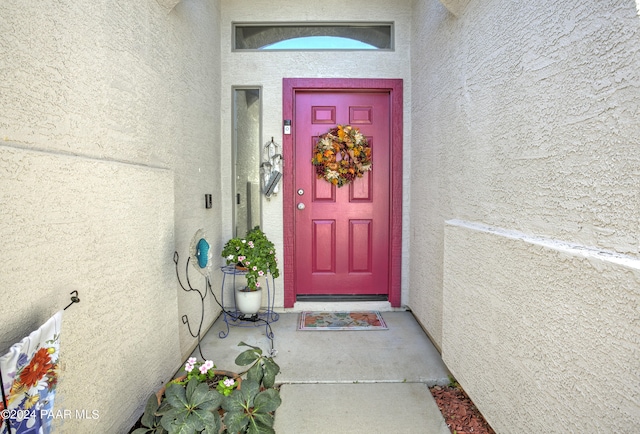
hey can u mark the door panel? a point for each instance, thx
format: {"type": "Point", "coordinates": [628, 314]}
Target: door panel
{"type": "Point", "coordinates": [342, 234]}
{"type": "Point", "coordinates": [324, 246]}
{"type": "Point", "coordinates": [361, 246]}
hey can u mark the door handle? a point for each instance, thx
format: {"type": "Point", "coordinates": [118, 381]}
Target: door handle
{"type": "Point", "coordinates": [301, 205]}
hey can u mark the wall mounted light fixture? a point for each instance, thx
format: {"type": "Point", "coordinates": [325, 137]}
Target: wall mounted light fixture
{"type": "Point", "coordinates": [271, 168]}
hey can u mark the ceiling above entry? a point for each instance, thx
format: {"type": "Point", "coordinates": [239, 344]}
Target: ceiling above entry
{"type": "Point", "coordinates": [168, 4]}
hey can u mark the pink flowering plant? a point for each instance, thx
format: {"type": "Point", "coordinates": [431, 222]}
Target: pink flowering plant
{"type": "Point", "coordinates": [226, 386]}
{"type": "Point", "coordinates": [256, 253]}
{"type": "Point", "coordinates": [205, 371]}
{"type": "Point", "coordinates": [197, 405]}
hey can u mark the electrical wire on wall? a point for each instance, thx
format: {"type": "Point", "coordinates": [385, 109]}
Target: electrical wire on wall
{"type": "Point", "coordinates": [200, 257]}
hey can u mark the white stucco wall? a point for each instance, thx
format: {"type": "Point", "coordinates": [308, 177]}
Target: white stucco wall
{"type": "Point", "coordinates": [267, 69]}
{"type": "Point", "coordinates": [540, 332]}
{"type": "Point", "coordinates": [528, 112]}
{"type": "Point", "coordinates": [109, 139]}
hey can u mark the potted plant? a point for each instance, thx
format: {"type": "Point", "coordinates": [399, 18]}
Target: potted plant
{"type": "Point", "coordinates": [257, 255]}
{"type": "Point", "coordinates": [193, 403]}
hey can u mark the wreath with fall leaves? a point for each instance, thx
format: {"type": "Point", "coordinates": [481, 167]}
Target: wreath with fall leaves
{"type": "Point", "coordinates": [342, 155]}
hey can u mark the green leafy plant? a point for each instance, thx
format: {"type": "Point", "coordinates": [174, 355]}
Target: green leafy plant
{"type": "Point", "coordinates": [256, 253]}
{"type": "Point", "coordinates": [263, 369]}
{"type": "Point", "coordinates": [251, 408]}
{"type": "Point", "coordinates": [196, 404]}
{"type": "Point", "coordinates": [150, 420]}
{"type": "Point", "coordinates": [453, 382]}
{"type": "Point", "coordinates": [190, 409]}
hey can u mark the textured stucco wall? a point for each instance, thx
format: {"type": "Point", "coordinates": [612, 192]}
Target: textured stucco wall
{"type": "Point", "coordinates": [543, 335]}
{"type": "Point", "coordinates": [267, 69]}
{"type": "Point", "coordinates": [72, 223]}
{"type": "Point", "coordinates": [527, 112]}
{"type": "Point", "coordinates": [109, 138]}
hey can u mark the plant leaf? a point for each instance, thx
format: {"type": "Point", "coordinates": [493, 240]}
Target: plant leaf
{"type": "Point", "coordinates": [173, 419]}
{"type": "Point", "coordinates": [164, 407]}
{"type": "Point", "coordinates": [233, 402]}
{"type": "Point", "coordinates": [250, 389]}
{"type": "Point", "coordinates": [247, 357]}
{"type": "Point", "coordinates": [236, 421]}
{"type": "Point", "coordinates": [176, 395]}
{"type": "Point", "coordinates": [267, 400]}
{"type": "Point", "coordinates": [141, 431]}
{"type": "Point", "coordinates": [185, 426]}
{"type": "Point", "coordinates": [255, 373]}
{"type": "Point", "coordinates": [202, 419]}
{"type": "Point", "coordinates": [271, 369]}
{"type": "Point", "coordinates": [191, 387]}
{"type": "Point", "coordinates": [241, 399]}
{"type": "Point", "coordinates": [262, 423]}
{"type": "Point", "coordinates": [214, 426]}
{"type": "Point", "coordinates": [244, 344]}
{"type": "Point", "coordinates": [149, 419]}
{"type": "Point", "coordinates": [204, 398]}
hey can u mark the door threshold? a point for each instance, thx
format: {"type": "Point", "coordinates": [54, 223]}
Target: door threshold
{"type": "Point", "coordinates": [341, 297]}
{"type": "Point", "coordinates": [342, 306]}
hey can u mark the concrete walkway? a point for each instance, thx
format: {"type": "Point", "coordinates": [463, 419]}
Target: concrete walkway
{"type": "Point", "coordinates": [345, 381]}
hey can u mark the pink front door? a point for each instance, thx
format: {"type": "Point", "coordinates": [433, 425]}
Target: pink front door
{"type": "Point", "coordinates": [342, 234]}
{"type": "Point", "coordinates": [343, 237]}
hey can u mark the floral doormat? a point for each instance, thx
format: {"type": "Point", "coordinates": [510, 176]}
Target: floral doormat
{"type": "Point", "coordinates": [369, 320]}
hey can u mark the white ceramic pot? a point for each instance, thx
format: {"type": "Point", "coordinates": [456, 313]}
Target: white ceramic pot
{"type": "Point", "coordinates": [248, 302]}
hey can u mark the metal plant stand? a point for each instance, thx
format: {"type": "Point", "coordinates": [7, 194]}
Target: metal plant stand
{"type": "Point", "coordinates": [233, 317]}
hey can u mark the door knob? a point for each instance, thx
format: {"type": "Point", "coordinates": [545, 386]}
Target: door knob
{"type": "Point", "coordinates": [301, 205]}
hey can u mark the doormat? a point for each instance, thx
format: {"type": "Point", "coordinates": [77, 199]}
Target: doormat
{"type": "Point", "coordinates": [368, 320]}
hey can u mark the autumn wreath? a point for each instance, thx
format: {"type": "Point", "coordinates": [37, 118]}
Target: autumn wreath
{"type": "Point", "coordinates": [342, 155]}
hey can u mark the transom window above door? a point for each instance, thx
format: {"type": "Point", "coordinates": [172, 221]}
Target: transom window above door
{"type": "Point", "coordinates": [312, 36]}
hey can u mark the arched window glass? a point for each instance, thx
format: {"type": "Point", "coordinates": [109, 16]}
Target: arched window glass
{"type": "Point", "coordinates": [320, 43]}
{"type": "Point", "coordinates": [315, 36]}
